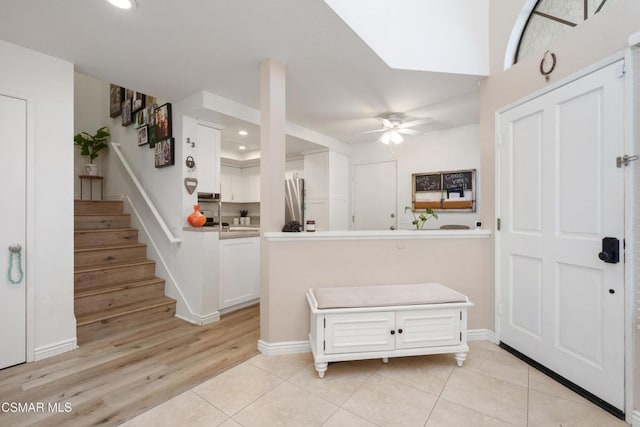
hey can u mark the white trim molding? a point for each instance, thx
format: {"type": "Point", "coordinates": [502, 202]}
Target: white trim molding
{"type": "Point", "coordinates": [481, 335]}
{"type": "Point", "coordinates": [286, 347]}
{"type": "Point", "coordinates": [55, 349]}
{"type": "Point", "coordinates": [295, 347]}
{"type": "Point", "coordinates": [200, 320]}
{"type": "Point", "coordinates": [378, 235]}
{"type": "Point", "coordinates": [635, 419]}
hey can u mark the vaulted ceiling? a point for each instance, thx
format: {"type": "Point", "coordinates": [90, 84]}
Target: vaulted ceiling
{"type": "Point", "coordinates": [336, 84]}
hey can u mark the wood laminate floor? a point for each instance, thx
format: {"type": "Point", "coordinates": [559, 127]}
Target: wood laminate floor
{"type": "Point", "coordinates": [112, 380]}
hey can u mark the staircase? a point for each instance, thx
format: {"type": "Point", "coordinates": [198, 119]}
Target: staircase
{"type": "Point", "coordinates": [115, 284]}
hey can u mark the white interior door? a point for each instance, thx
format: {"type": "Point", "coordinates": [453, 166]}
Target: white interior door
{"type": "Point", "coordinates": [13, 337]}
{"type": "Point", "coordinates": [374, 196]}
{"type": "Point", "coordinates": [561, 193]}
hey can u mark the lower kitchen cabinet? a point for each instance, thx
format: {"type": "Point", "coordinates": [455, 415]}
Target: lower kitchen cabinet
{"type": "Point", "coordinates": [239, 271]}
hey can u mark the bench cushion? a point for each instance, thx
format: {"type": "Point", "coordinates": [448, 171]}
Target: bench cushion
{"type": "Point", "coordinates": [386, 295]}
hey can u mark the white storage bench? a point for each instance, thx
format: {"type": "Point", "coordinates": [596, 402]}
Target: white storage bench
{"type": "Point", "coordinates": [369, 322]}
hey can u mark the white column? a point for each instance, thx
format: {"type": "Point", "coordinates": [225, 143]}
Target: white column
{"type": "Point", "coordinates": [272, 145]}
{"type": "Point", "coordinates": [272, 164]}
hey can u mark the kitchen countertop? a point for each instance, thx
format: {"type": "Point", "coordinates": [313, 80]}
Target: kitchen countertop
{"type": "Point", "coordinates": [225, 234]}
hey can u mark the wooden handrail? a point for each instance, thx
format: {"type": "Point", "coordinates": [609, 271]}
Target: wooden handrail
{"type": "Point", "coordinates": [145, 196]}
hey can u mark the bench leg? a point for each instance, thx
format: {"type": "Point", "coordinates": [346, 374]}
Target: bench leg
{"type": "Point", "coordinates": [385, 360]}
{"type": "Point", "coordinates": [321, 368]}
{"type": "Point", "coordinates": [460, 358]}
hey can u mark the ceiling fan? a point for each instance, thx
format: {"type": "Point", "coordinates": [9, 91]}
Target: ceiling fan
{"type": "Point", "coordinates": [394, 124]}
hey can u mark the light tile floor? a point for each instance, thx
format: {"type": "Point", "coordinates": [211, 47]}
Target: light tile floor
{"type": "Point", "coordinates": [493, 388]}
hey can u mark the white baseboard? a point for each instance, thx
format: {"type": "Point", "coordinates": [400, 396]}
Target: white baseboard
{"type": "Point", "coordinates": [481, 335]}
{"type": "Point", "coordinates": [287, 347]}
{"type": "Point", "coordinates": [55, 349]}
{"type": "Point", "coordinates": [239, 306]}
{"type": "Point", "coordinates": [292, 347]}
{"type": "Point", "coordinates": [200, 320]}
{"type": "Point", "coordinates": [635, 419]}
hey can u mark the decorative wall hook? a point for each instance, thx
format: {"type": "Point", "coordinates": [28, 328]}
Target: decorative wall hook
{"type": "Point", "coordinates": [545, 69]}
{"type": "Point", "coordinates": [189, 141]}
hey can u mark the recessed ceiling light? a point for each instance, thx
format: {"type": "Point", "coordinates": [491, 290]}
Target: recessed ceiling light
{"type": "Point", "coordinates": [243, 133]}
{"type": "Point", "coordinates": [123, 4]}
{"type": "Point", "coordinates": [241, 147]}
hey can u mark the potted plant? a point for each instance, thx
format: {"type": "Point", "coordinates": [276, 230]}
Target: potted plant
{"type": "Point", "coordinates": [91, 145]}
{"type": "Point", "coordinates": [420, 220]}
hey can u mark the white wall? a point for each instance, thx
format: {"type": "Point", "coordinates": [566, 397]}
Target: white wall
{"type": "Point", "coordinates": [450, 149]}
{"type": "Point", "coordinates": [47, 84]}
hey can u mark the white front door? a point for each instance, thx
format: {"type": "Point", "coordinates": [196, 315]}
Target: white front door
{"type": "Point", "coordinates": [560, 195]}
{"type": "Point", "coordinates": [13, 349]}
{"type": "Point", "coordinates": [374, 196]}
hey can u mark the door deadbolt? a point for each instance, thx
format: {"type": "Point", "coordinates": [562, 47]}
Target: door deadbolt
{"type": "Point", "coordinates": [610, 250]}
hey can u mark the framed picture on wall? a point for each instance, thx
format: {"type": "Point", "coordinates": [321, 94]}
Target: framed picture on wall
{"type": "Point", "coordinates": [116, 96]}
{"type": "Point", "coordinates": [163, 122]}
{"type": "Point", "coordinates": [164, 153]}
{"type": "Point", "coordinates": [143, 135]}
{"type": "Point", "coordinates": [138, 101]}
{"type": "Point", "coordinates": [126, 112]}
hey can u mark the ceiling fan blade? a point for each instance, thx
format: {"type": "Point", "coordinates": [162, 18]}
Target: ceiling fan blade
{"type": "Point", "coordinates": [386, 123]}
{"type": "Point", "coordinates": [416, 122]}
{"type": "Point", "coordinates": [371, 131]}
{"type": "Point", "coordinates": [409, 131]}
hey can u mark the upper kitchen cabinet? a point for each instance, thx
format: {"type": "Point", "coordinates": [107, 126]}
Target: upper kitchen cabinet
{"type": "Point", "coordinates": [251, 184]}
{"type": "Point", "coordinates": [231, 184]}
{"type": "Point", "coordinates": [208, 159]}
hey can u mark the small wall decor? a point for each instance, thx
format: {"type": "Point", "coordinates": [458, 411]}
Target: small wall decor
{"type": "Point", "coordinates": [547, 64]}
{"type": "Point", "coordinates": [444, 190]}
{"type": "Point", "coordinates": [143, 135]}
{"type": "Point", "coordinates": [190, 184]}
{"type": "Point", "coordinates": [138, 101]}
{"type": "Point", "coordinates": [126, 112]}
{"type": "Point", "coordinates": [116, 96]}
{"type": "Point", "coordinates": [163, 121]}
{"type": "Point", "coordinates": [164, 153]}
{"type": "Point", "coordinates": [190, 162]}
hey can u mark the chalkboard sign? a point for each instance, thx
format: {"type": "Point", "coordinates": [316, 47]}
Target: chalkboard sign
{"type": "Point", "coordinates": [457, 180]}
{"type": "Point", "coordinates": [427, 182]}
{"type": "Point", "coordinates": [436, 190]}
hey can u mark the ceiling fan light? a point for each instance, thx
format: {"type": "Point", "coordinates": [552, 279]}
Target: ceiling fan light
{"type": "Point", "coordinates": [386, 138]}
{"type": "Point", "coordinates": [395, 136]}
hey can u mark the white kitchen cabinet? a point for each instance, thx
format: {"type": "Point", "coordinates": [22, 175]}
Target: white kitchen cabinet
{"type": "Point", "coordinates": [239, 271]}
{"type": "Point", "coordinates": [251, 184]}
{"type": "Point", "coordinates": [392, 328]}
{"type": "Point", "coordinates": [230, 184]}
{"type": "Point", "coordinates": [316, 173]}
{"type": "Point", "coordinates": [208, 159]}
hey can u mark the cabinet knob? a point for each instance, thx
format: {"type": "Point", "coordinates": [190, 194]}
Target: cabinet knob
{"type": "Point", "coordinates": [399, 331]}
{"type": "Point", "coordinates": [392, 332]}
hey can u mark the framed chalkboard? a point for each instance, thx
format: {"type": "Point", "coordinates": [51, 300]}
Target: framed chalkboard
{"type": "Point", "coordinates": [428, 182]}
{"type": "Point", "coordinates": [445, 190]}
{"type": "Point", "coordinates": [458, 180]}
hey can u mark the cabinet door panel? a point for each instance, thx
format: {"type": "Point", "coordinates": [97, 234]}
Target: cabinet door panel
{"type": "Point", "coordinates": [358, 332]}
{"type": "Point", "coordinates": [239, 271]}
{"type": "Point", "coordinates": [428, 328]}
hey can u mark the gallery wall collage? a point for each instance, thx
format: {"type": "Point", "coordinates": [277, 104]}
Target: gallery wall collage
{"type": "Point", "coordinates": [152, 121]}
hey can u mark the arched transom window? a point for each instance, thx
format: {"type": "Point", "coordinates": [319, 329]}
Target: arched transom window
{"type": "Point", "coordinates": [549, 19]}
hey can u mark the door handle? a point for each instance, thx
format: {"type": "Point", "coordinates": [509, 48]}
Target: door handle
{"type": "Point", "coordinates": [15, 257]}
{"type": "Point", "coordinates": [610, 250]}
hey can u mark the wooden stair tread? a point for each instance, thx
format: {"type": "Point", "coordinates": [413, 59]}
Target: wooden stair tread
{"type": "Point", "coordinates": [125, 245]}
{"type": "Point", "coordinates": [104, 230]}
{"type": "Point", "coordinates": [113, 265]}
{"type": "Point", "coordinates": [100, 316]}
{"type": "Point", "coordinates": [116, 287]}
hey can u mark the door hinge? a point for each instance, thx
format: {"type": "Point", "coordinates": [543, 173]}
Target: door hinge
{"type": "Point", "coordinates": [460, 336]}
{"type": "Point", "coordinates": [325, 322]}
{"type": "Point", "coordinates": [324, 345]}
{"type": "Point", "coordinates": [498, 224]}
{"type": "Point", "coordinates": [622, 69]}
{"type": "Point", "coordinates": [460, 315]}
{"type": "Point", "coordinates": [353, 218]}
{"type": "Point", "coordinates": [625, 160]}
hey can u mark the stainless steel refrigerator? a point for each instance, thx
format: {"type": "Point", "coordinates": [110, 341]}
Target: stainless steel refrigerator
{"type": "Point", "coordinates": [294, 200]}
